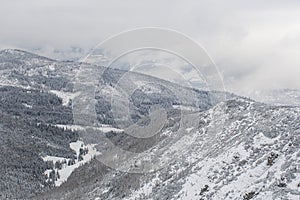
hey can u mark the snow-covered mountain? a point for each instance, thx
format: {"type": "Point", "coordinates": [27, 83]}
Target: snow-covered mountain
{"type": "Point", "coordinates": [38, 92]}
{"type": "Point", "coordinates": [239, 149]}
{"type": "Point", "coordinates": [215, 148]}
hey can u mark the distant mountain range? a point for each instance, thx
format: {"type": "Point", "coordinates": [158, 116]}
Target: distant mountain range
{"type": "Point", "coordinates": [277, 97]}
{"type": "Point", "coordinates": [214, 147]}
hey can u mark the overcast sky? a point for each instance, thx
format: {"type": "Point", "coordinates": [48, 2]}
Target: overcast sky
{"type": "Point", "coordinates": [256, 44]}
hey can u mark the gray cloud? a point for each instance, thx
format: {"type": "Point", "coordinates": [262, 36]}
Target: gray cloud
{"type": "Point", "coordinates": [254, 43]}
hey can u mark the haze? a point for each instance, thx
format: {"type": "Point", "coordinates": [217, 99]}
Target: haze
{"type": "Point", "coordinates": [255, 44]}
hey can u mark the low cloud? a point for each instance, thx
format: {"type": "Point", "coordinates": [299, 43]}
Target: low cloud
{"type": "Point", "coordinates": [254, 43]}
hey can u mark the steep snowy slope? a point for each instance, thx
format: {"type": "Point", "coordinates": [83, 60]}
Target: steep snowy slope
{"type": "Point", "coordinates": [26, 136]}
{"type": "Point", "coordinates": [239, 149]}
{"type": "Point", "coordinates": [209, 147]}
{"type": "Point", "coordinates": [40, 92]}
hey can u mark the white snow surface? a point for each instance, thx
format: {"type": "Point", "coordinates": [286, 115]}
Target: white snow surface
{"type": "Point", "coordinates": [103, 128]}
{"type": "Point", "coordinates": [65, 96]}
{"type": "Point", "coordinates": [66, 170]}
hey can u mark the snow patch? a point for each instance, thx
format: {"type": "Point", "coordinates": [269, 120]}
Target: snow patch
{"type": "Point", "coordinates": [185, 108]}
{"type": "Point", "coordinates": [27, 105]}
{"type": "Point", "coordinates": [65, 96]}
{"type": "Point", "coordinates": [66, 170]}
{"type": "Point", "coordinates": [103, 128]}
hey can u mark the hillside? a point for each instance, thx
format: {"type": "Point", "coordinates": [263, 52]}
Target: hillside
{"type": "Point", "coordinates": [211, 144]}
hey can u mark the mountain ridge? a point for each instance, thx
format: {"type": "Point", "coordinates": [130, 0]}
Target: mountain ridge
{"type": "Point", "coordinates": [215, 149]}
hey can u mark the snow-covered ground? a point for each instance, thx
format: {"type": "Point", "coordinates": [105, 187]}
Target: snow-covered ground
{"type": "Point", "coordinates": [103, 128]}
{"type": "Point", "coordinates": [65, 96]}
{"type": "Point", "coordinates": [227, 165]}
{"type": "Point", "coordinates": [147, 87]}
{"type": "Point", "coordinates": [27, 105]}
{"type": "Point", "coordinates": [66, 170]}
{"type": "Point", "coordinates": [185, 108]}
